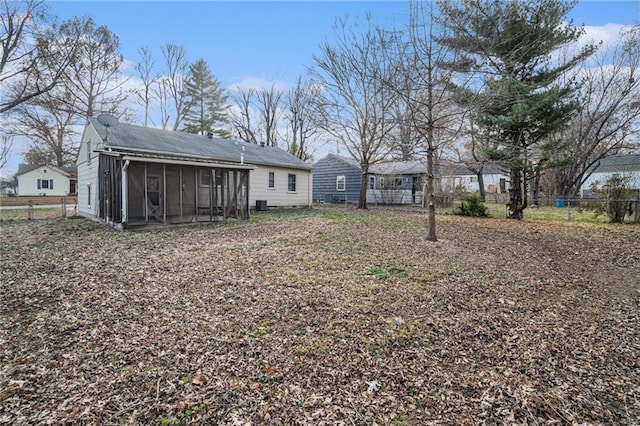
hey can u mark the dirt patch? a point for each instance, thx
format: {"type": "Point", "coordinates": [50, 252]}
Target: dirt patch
{"type": "Point", "coordinates": [325, 316]}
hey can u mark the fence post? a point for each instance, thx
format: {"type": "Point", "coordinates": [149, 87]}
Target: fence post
{"type": "Point", "coordinates": [30, 210]}
{"type": "Point", "coordinates": [64, 207]}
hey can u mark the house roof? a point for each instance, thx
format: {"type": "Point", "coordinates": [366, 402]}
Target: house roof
{"type": "Point", "coordinates": [129, 137]}
{"type": "Point", "coordinates": [389, 167]}
{"type": "Point", "coordinates": [70, 171]}
{"type": "Point", "coordinates": [467, 169]}
{"type": "Point", "coordinates": [618, 163]}
{"type": "Point", "coordinates": [416, 167]}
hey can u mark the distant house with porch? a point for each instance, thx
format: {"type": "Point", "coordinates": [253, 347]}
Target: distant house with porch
{"type": "Point", "coordinates": [607, 167]}
{"type": "Point", "coordinates": [133, 175]}
{"type": "Point", "coordinates": [35, 180]}
{"type": "Point", "coordinates": [338, 179]}
{"type": "Point", "coordinates": [458, 177]}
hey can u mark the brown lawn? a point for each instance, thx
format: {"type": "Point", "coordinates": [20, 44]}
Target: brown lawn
{"type": "Point", "coordinates": [328, 316]}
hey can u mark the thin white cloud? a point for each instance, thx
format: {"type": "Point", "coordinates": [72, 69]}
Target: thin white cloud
{"type": "Point", "coordinates": [258, 83]}
{"type": "Point", "coordinates": [608, 34]}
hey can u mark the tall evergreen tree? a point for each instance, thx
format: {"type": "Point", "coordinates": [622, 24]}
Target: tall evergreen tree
{"type": "Point", "coordinates": [206, 102]}
{"type": "Point", "coordinates": [519, 99]}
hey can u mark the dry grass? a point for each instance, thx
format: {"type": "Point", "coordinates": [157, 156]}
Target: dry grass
{"type": "Point", "coordinates": [329, 316]}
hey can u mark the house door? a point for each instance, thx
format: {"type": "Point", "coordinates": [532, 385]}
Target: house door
{"type": "Point", "coordinates": [154, 205]}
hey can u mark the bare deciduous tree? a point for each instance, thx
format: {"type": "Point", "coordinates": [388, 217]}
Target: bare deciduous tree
{"type": "Point", "coordinates": [356, 104]}
{"type": "Point", "coordinates": [6, 143]}
{"type": "Point", "coordinates": [429, 110]}
{"type": "Point", "coordinates": [33, 58]}
{"type": "Point", "coordinates": [144, 69]}
{"type": "Point", "coordinates": [170, 88]}
{"type": "Point", "coordinates": [94, 82]}
{"type": "Point", "coordinates": [242, 120]}
{"type": "Point", "coordinates": [90, 85]}
{"type": "Point", "coordinates": [300, 114]}
{"type": "Point", "coordinates": [268, 103]}
{"type": "Point", "coordinates": [47, 124]}
{"type": "Point", "coordinates": [258, 114]}
{"type": "Point", "coordinates": [609, 120]}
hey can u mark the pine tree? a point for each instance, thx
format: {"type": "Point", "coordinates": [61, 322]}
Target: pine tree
{"type": "Point", "coordinates": [206, 102]}
{"type": "Point", "coordinates": [520, 100]}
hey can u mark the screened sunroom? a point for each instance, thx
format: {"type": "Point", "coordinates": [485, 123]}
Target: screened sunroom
{"type": "Point", "coordinates": [138, 191]}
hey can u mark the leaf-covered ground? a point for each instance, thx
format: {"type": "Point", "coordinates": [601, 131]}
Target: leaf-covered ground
{"type": "Point", "coordinates": [328, 316]}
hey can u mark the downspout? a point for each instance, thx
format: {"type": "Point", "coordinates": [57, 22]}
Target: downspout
{"type": "Point", "coordinates": [124, 191]}
{"type": "Point", "coordinates": [310, 190]}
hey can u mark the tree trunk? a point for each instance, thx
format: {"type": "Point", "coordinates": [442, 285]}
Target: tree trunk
{"type": "Point", "coordinates": [535, 187]}
{"type": "Point", "coordinates": [517, 201]}
{"type": "Point", "coordinates": [431, 205]}
{"type": "Point", "coordinates": [362, 202]}
{"type": "Point", "coordinates": [483, 194]}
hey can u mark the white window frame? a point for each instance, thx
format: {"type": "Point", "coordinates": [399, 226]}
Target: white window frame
{"type": "Point", "coordinates": [89, 151]}
{"type": "Point", "coordinates": [89, 195]}
{"type": "Point", "coordinates": [372, 182]}
{"type": "Point", "coordinates": [271, 180]}
{"type": "Point", "coordinates": [289, 181]}
{"type": "Point", "coordinates": [341, 179]}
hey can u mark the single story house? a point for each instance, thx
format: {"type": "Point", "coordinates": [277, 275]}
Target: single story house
{"type": "Point", "coordinates": [607, 167]}
{"type": "Point", "coordinates": [461, 177]}
{"type": "Point", "coordinates": [133, 175]}
{"type": "Point", "coordinates": [337, 179]}
{"type": "Point", "coordinates": [46, 180]}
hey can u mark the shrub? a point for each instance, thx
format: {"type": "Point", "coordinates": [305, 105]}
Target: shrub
{"type": "Point", "coordinates": [615, 194]}
{"type": "Point", "coordinates": [473, 206]}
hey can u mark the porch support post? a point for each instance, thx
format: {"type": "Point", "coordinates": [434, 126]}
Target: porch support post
{"type": "Point", "coordinates": [195, 171]}
{"type": "Point", "coordinates": [211, 172]}
{"type": "Point", "coordinates": [146, 198]}
{"type": "Point", "coordinates": [164, 193]}
{"type": "Point", "coordinates": [222, 194]}
{"type": "Point", "coordinates": [181, 193]}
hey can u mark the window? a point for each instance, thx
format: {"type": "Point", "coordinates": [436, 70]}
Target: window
{"type": "Point", "coordinates": [89, 152]}
{"type": "Point", "coordinates": [390, 182]}
{"type": "Point", "coordinates": [205, 177]}
{"type": "Point", "coordinates": [272, 180]}
{"type": "Point", "coordinates": [340, 183]}
{"type": "Point", "coordinates": [372, 182]}
{"type": "Point", "coordinates": [45, 183]}
{"type": "Point", "coordinates": [292, 182]}
{"type": "Point", "coordinates": [89, 195]}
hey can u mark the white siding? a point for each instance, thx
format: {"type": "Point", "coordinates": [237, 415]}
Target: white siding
{"type": "Point", "coordinates": [280, 196]}
{"type": "Point", "coordinates": [602, 177]}
{"type": "Point", "coordinates": [470, 182]}
{"type": "Point", "coordinates": [28, 182]}
{"type": "Point", "coordinates": [88, 173]}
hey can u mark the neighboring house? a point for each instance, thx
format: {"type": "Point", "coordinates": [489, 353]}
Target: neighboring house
{"type": "Point", "coordinates": [607, 167]}
{"type": "Point", "coordinates": [337, 179]}
{"type": "Point", "coordinates": [398, 182]}
{"type": "Point", "coordinates": [134, 175]}
{"type": "Point", "coordinates": [46, 180]}
{"type": "Point", "coordinates": [460, 177]}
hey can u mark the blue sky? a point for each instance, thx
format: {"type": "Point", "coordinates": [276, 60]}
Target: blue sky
{"type": "Point", "coordinates": [252, 43]}
{"type": "Point", "coordinates": [265, 39]}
